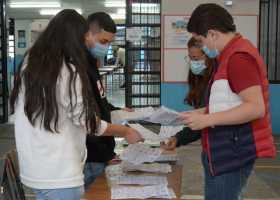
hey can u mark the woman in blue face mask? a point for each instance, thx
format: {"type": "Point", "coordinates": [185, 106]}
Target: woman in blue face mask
{"type": "Point", "coordinates": [201, 68]}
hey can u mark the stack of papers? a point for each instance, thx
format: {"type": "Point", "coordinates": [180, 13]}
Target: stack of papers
{"type": "Point", "coordinates": [167, 158]}
{"type": "Point", "coordinates": [114, 171]}
{"type": "Point", "coordinates": [140, 153]}
{"type": "Point", "coordinates": [139, 180]}
{"type": "Point", "coordinates": [144, 192]}
{"type": "Point", "coordinates": [147, 167]}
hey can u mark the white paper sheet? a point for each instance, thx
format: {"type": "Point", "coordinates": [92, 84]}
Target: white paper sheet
{"type": "Point", "coordinates": [144, 192]}
{"type": "Point", "coordinates": [147, 167]}
{"type": "Point", "coordinates": [140, 153]}
{"type": "Point", "coordinates": [140, 180]}
{"type": "Point", "coordinates": [162, 115]}
{"type": "Point", "coordinates": [169, 131]}
{"type": "Point", "coordinates": [145, 133]}
{"type": "Point", "coordinates": [165, 132]}
{"type": "Point", "coordinates": [114, 171]}
{"type": "Point", "coordinates": [121, 116]}
{"type": "Point", "coordinates": [165, 116]}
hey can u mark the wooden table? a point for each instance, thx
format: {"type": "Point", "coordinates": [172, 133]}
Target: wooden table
{"type": "Point", "coordinates": [100, 190]}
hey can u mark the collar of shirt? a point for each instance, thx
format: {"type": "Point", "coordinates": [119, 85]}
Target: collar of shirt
{"type": "Point", "coordinates": [228, 46]}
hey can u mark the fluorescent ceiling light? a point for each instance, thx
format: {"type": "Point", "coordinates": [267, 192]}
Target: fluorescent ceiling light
{"type": "Point", "coordinates": [145, 5]}
{"type": "Point", "coordinates": [55, 11]}
{"type": "Point", "coordinates": [228, 2]}
{"type": "Point", "coordinates": [35, 4]}
{"type": "Point", "coordinates": [117, 16]}
{"type": "Point", "coordinates": [115, 4]}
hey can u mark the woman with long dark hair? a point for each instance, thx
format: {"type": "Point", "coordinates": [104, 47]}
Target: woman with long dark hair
{"type": "Point", "coordinates": [55, 108]}
{"type": "Point", "coordinates": [201, 69]}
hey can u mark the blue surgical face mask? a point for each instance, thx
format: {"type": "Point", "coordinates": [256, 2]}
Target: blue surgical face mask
{"type": "Point", "coordinates": [197, 67]}
{"type": "Point", "coordinates": [99, 50]}
{"type": "Point", "coordinates": [211, 53]}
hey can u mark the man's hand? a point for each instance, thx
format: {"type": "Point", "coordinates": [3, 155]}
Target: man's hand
{"type": "Point", "coordinates": [195, 120]}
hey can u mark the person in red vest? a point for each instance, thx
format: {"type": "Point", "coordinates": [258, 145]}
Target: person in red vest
{"type": "Point", "coordinates": [236, 122]}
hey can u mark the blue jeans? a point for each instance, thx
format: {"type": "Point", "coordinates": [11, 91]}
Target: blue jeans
{"type": "Point", "coordinates": [59, 194]}
{"type": "Point", "coordinates": [91, 171]}
{"type": "Point", "coordinates": [228, 186]}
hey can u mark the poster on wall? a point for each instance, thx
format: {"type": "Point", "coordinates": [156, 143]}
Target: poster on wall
{"type": "Point", "coordinates": [176, 35]}
{"type": "Point", "coordinates": [21, 39]}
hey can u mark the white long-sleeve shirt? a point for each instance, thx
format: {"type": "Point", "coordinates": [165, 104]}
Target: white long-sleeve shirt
{"type": "Point", "coordinates": [53, 160]}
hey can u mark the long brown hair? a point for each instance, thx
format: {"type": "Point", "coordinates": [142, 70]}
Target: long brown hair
{"type": "Point", "coordinates": [62, 41]}
{"type": "Point", "coordinates": [198, 83]}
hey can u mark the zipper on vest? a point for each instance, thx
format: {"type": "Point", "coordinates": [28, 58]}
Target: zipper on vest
{"type": "Point", "coordinates": [209, 156]}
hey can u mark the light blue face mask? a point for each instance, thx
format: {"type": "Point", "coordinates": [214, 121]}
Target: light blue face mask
{"type": "Point", "coordinates": [197, 67]}
{"type": "Point", "coordinates": [211, 53]}
{"type": "Point", "coordinates": [99, 50]}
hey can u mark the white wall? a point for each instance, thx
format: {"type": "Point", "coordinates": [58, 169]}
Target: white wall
{"type": "Point", "coordinates": [174, 69]}
{"type": "Point", "coordinates": [187, 6]}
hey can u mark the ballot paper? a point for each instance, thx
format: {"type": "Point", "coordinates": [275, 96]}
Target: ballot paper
{"type": "Point", "coordinates": [147, 167]}
{"type": "Point", "coordinates": [121, 116]}
{"type": "Point", "coordinates": [146, 133]}
{"type": "Point", "coordinates": [161, 115]}
{"type": "Point", "coordinates": [165, 132]}
{"type": "Point", "coordinates": [143, 192]}
{"type": "Point", "coordinates": [114, 171]}
{"type": "Point", "coordinates": [167, 158]}
{"type": "Point", "coordinates": [169, 131]}
{"type": "Point", "coordinates": [139, 180]}
{"type": "Point", "coordinates": [140, 153]}
{"type": "Point", "coordinates": [165, 116]}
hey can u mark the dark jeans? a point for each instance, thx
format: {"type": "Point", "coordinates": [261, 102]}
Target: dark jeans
{"type": "Point", "coordinates": [228, 186]}
{"type": "Point", "coordinates": [91, 171]}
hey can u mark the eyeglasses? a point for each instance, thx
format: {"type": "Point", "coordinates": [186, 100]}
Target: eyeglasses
{"type": "Point", "coordinates": [186, 58]}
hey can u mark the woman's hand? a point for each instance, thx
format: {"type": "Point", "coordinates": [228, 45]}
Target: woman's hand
{"type": "Point", "coordinates": [170, 144]}
{"type": "Point", "coordinates": [115, 160]}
